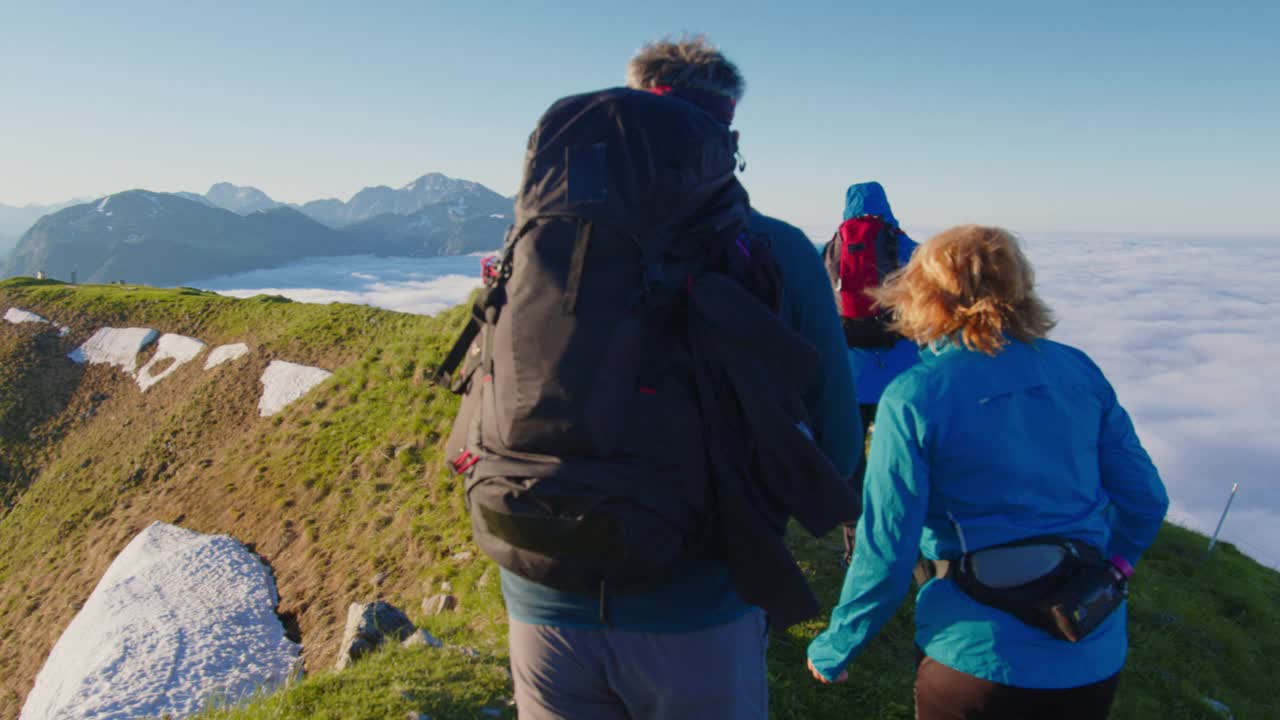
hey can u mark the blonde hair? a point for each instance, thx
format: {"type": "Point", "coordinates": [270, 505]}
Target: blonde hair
{"type": "Point", "coordinates": [690, 61]}
{"type": "Point", "coordinates": [970, 284]}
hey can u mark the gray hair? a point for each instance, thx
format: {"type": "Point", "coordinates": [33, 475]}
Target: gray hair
{"type": "Point", "coordinates": [689, 62]}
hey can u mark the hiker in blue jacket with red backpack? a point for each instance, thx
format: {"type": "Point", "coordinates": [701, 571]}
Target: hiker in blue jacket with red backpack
{"type": "Point", "coordinates": [874, 367]}
{"type": "Point", "coordinates": [868, 246]}
{"type": "Point", "coordinates": [1005, 460]}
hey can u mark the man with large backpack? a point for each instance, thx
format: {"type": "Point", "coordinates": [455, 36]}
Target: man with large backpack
{"type": "Point", "coordinates": [655, 382]}
{"type": "Point", "coordinates": [868, 246]}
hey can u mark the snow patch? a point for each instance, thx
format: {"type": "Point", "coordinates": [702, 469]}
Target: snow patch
{"type": "Point", "coordinates": [115, 346]}
{"type": "Point", "coordinates": [179, 619]}
{"type": "Point", "coordinates": [225, 353]}
{"type": "Point", "coordinates": [178, 348]}
{"type": "Point", "coordinates": [283, 382]}
{"type": "Point", "coordinates": [102, 204]}
{"type": "Point", "coordinates": [16, 316]}
{"type": "Point", "coordinates": [156, 207]}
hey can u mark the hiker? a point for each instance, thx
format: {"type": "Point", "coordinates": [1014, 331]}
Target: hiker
{"type": "Point", "coordinates": [727, 394]}
{"type": "Point", "coordinates": [1005, 460]}
{"type": "Point", "coordinates": [867, 247]}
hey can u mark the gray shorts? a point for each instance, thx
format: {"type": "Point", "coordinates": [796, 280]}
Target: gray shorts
{"type": "Point", "coordinates": [597, 673]}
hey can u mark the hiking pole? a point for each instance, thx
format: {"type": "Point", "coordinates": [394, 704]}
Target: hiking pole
{"type": "Point", "coordinates": [1214, 540]}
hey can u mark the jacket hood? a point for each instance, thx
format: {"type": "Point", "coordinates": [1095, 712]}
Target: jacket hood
{"type": "Point", "coordinates": [868, 198]}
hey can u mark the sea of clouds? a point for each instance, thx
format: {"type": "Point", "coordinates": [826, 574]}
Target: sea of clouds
{"type": "Point", "coordinates": [1187, 331]}
{"type": "Point", "coordinates": [416, 285]}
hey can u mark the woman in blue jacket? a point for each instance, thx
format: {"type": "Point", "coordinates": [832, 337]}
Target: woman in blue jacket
{"type": "Point", "coordinates": [998, 435]}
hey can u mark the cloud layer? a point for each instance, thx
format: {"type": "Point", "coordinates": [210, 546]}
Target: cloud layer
{"type": "Point", "coordinates": [1187, 331]}
{"type": "Point", "coordinates": [1189, 335]}
{"type": "Point", "coordinates": [416, 285]}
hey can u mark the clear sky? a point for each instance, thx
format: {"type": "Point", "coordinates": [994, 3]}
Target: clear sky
{"type": "Point", "coordinates": [1100, 116]}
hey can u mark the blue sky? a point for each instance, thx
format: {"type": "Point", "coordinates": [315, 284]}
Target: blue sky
{"type": "Point", "coordinates": [1128, 117]}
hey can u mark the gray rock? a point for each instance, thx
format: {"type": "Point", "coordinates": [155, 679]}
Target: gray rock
{"type": "Point", "coordinates": [421, 638]}
{"type": "Point", "coordinates": [378, 579]}
{"type": "Point", "coordinates": [368, 626]}
{"type": "Point", "coordinates": [1220, 708]}
{"type": "Point", "coordinates": [437, 604]}
{"type": "Point", "coordinates": [463, 556]}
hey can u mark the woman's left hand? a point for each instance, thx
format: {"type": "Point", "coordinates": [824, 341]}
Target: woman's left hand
{"type": "Point", "coordinates": [844, 675]}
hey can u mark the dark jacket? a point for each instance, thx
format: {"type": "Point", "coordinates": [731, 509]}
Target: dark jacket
{"type": "Point", "coordinates": [752, 369]}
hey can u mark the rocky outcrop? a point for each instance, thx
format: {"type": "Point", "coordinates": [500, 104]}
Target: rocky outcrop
{"type": "Point", "coordinates": [368, 626]}
{"type": "Point", "coordinates": [437, 604]}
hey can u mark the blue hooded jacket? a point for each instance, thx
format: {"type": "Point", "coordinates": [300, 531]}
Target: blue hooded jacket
{"type": "Point", "coordinates": [972, 451]}
{"type": "Point", "coordinates": [874, 369]}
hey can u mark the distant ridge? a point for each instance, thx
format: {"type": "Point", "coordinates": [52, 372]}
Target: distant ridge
{"type": "Point", "coordinates": [156, 238]}
{"type": "Point", "coordinates": [425, 191]}
{"type": "Point", "coordinates": [239, 200]}
{"type": "Point", "coordinates": [14, 221]}
{"type": "Point", "coordinates": [430, 189]}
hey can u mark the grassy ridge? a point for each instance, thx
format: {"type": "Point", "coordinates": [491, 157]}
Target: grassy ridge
{"type": "Point", "coordinates": [346, 484]}
{"type": "Point", "coordinates": [332, 491]}
{"type": "Point", "coordinates": [1200, 628]}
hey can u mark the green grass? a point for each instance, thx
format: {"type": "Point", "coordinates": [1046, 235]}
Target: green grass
{"type": "Point", "coordinates": [444, 684]}
{"type": "Point", "coordinates": [1200, 627]}
{"type": "Point", "coordinates": [348, 482]}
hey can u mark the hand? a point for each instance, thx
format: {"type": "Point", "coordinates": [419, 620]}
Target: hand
{"type": "Point", "coordinates": [850, 539]}
{"type": "Point", "coordinates": [844, 675]}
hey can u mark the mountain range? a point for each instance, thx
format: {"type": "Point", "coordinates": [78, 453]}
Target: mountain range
{"type": "Point", "coordinates": [156, 238]}
{"type": "Point", "coordinates": [14, 221]}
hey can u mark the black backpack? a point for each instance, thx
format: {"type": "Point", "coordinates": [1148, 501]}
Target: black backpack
{"type": "Point", "coordinates": [586, 428]}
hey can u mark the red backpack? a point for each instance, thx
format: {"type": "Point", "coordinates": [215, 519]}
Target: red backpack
{"type": "Point", "coordinates": [859, 257]}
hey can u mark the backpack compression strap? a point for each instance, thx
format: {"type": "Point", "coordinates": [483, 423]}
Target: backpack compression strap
{"type": "Point", "coordinates": [463, 344]}
{"type": "Point", "coordinates": [488, 300]}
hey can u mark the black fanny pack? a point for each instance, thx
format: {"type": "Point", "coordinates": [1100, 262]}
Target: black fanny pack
{"type": "Point", "coordinates": [1069, 601]}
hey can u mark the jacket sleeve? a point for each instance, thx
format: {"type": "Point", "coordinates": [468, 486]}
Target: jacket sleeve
{"type": "Point", "coordinates": [1131, 480]}
{"type": "Point", "coordinates": [895, 501]}
{"type": "Point", "coordinates": [832, 401]}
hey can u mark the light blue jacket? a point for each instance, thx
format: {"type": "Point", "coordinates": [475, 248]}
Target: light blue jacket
{"type": "Point", "coordinates": [1028, 442]}
{"type": "Point", "coordinates": [704, 596]}
{"type": "Point", "coordinates": [874, 369]}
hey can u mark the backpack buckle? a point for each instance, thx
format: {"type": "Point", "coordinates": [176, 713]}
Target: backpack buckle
{"type": "Point", "coordinates": [490, 269]}
{"type": "Point", "coordinates": [465, 462]}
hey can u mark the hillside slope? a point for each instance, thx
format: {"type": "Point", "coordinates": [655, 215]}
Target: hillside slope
{"type": "Point", "coordinates": [345, 486]}
{"type": "Point", "coordinates": [331, 491]}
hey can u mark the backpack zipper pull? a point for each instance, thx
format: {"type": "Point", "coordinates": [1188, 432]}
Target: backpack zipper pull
{"type": "Point", "coordinates": [604, 619]}
{"type": "Point", "coordinates": [964, 547]}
